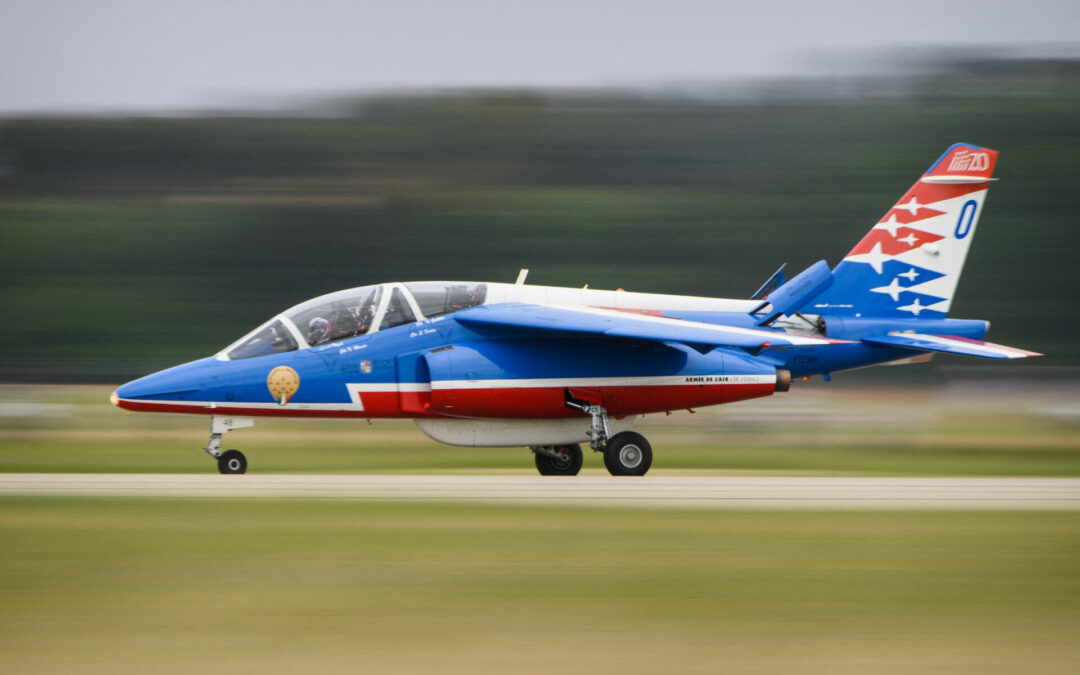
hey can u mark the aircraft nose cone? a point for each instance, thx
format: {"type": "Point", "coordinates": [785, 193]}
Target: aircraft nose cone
{"type": "Point", "coordinates": [176, 383]}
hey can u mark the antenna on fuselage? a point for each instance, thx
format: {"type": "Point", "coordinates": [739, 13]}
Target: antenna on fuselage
{"type": "Point", "coordinates": [521, 277]}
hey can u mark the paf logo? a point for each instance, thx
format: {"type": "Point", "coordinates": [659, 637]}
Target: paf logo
{"type": "Point", "coordinates": [282, 382]}
{"type": "Point", "coordinates": [964, 160]}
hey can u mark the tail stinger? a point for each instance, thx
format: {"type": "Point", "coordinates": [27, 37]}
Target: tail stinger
{"type": "Point", "coordinates": [909, 263]}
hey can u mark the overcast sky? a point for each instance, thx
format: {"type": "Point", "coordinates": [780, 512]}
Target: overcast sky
{"type": "Point", "coordinates": [62, 55]}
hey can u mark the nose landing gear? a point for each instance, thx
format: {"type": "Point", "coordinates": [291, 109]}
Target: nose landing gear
{"type": "Point", "coordinates": [230, 461]}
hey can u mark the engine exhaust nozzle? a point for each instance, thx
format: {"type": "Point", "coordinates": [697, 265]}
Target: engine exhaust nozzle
{"type": "Point", "coordinates": [783, 379]}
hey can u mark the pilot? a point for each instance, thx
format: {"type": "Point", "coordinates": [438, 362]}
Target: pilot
{"type": "Point", "coordinates": [318, 330]}
{"type": "Point", "coordinates": [364, 318]}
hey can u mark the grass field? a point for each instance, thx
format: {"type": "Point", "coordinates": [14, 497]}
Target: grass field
{"type": "Point", "coordinates": [110, 585]}
{"type": "Point", "coordinates": [838, 429]}
{"type": "Point", "coordinates": [180, 586]}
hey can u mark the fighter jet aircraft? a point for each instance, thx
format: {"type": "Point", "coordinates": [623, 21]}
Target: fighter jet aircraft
{"type": "Point", "coordinates": [496, 364]}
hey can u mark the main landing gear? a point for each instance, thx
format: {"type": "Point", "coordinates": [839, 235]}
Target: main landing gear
{"type": "Point", "coordinates": [558, 460]}
{"type": "Point", "coordinates": [628, 454]}
{"type": "Point", "coordinates": [230, 461]}
{"type": "Point", "coordinates": [625, 454]}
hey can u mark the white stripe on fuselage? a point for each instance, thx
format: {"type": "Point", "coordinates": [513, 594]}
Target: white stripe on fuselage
{"type": "Point", "coordinates": [600, 382]}
{"type": "Point", "coordinates": [356, 389]}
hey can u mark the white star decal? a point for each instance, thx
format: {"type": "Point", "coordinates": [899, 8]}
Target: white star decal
{"type": "Point", "coordinates": [894, 290]}
{"type": "Point", "coordinates": [874, 258]}
{"type": "Point", "coordinates": [889, 225]}
{"type": "Point", "coordinates": [910, 274]}
{"type": "Point", "coordinates": [910, 240]}
{"type": "Point", "coordinates": [915, 307]}
{"type": "Point", "coordinates": [912, 206]}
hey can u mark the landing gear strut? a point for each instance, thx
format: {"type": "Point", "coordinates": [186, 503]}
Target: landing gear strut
{"type": "Point", "coordinates": [600, 431]}
{"type": "Point", "coordinates": [230, 461]}
{"type": "Point", "coordinates": [626, 453]}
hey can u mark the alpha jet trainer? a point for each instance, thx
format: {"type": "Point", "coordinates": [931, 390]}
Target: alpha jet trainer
{"type": "Point", "coordinates": [492, 364]}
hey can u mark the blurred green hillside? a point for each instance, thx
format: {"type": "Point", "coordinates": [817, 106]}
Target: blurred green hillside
{"type": "Point", "coordinates": [131, 243]}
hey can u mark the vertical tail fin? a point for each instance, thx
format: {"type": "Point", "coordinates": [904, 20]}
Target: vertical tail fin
{"type": "Point", "coordinates": [908, 265]}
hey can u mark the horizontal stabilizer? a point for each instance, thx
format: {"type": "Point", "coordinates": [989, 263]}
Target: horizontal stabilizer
{"type": "Point", "coordinates": [619, 324]}
{"type": "Point", "coordinates": [950, 344]}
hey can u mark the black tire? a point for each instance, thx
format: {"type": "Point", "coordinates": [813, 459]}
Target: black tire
{"type": "Point", "coordinates": [232, 461]}
{"type": "Point", "coordinates": [550, 466]}
{"type": "Point", "coordinates": [628, 454]}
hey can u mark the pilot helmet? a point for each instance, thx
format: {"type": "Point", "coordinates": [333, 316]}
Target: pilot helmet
{"type": "Point", "coordinates": [318, 330]}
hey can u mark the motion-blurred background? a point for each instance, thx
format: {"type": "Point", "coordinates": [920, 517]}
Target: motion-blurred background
{"type": "Point", "coordinates": [173, 173]}
{"type": "Point", "coordinates": [169, 179]}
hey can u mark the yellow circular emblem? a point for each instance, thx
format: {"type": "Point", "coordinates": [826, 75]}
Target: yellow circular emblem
{"type": "Point", "coordinates": [283, 382]}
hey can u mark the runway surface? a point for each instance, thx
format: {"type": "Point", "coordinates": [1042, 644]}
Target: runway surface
{"type": "Point", "coordinates": [661, 491]}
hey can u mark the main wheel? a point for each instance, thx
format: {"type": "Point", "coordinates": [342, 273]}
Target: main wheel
{"type": "Point", "coordinates": [628, 454]}
{"type": "Point", "coordinates": [568, 464]}
{"type": "Point", "coordinates": [232, 461]}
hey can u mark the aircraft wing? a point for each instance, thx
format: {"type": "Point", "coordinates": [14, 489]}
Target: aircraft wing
{"type": "Point", "coordinates": [950, 344]}
{"type": "Point", "coordinates": [615, 323]}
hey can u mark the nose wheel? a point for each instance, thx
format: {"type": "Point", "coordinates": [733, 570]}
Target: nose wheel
{"type": "Point", "coordinates": [232, 461]}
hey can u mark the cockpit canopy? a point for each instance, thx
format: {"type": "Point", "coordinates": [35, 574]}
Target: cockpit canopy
{"type": "Point", "coordinates": [354, 312]}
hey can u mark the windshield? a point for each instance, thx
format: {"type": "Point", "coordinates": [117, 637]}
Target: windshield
{"type": "Point", "coordinates": [336, 316]}
{"type": "Point", "coordinates": [270, 339]}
